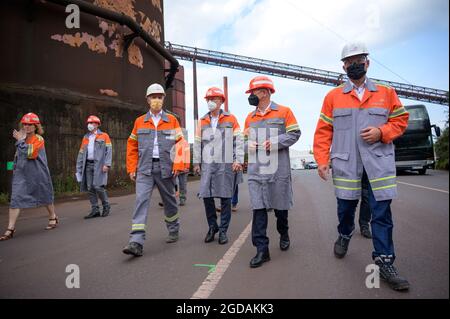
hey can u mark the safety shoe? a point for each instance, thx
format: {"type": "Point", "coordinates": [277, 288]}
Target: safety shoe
{"type": "Point", "coordinates": [173, 237]}
{"type": "Point", "coordinates": [95, 212]}
{"type": "Point", "coordinates": [223, 239]}
{"type": "Point", "coordinates": [285, 242]}
{"type": "Point", "coordinates": [365, 232]}
{"type": "Point", "coordinates": [341, 247]}
{"type": "Point", "coordinates": [260, 258]}
{"type": "Point", "coordinates": [210, 235]}
{"type": "Point", "coordinates": [389, 274]}
{"type": "Point", "coordinates": [106, 210]}
{"type": "Point", "coordinates": [134, 249]}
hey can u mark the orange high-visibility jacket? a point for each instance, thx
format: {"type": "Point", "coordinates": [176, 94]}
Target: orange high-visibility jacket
{"type": "Point", "coordinates": [337, 138]}
{"type": "Point", "coordinates": [271, 189]}
{"type": "Point", "coordinates": [218, 178]}
{"type": "Point", "coordinates": [170, 140]}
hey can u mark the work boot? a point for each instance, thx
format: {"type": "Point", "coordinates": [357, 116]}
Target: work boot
{"type": "Point", "coordinates": [365, 231]}
{"type": "Point", "coordinates": [95, 212]}
{"type": "Point", "coordinates": [341, 247]}
{"type": "Point", "coordinates": [284, 242]}
{"type": "Point", "coordinates": [223, 239]}
{"type": "Point", "coordinates": [173, 237]}
{"type": "Point", "coordinates": [134, 249]}
{"type": "Point", "coordinates": [260, 258]}
{"type": "Point", "coordinates": [210, 235]}
{"type": "Point", "coordinates": [389, 274]}
{"type": "Point", "coordinates": [106, 210]}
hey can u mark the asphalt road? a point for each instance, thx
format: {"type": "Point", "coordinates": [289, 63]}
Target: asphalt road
{"type": "Point", "coordinates": [33, 264]}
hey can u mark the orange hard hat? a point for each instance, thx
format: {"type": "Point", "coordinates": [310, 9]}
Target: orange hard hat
{"type": "Point", "coordinates": [30, 118]}
{"type": "Point", "coordinates": [261, 82]}
{"type": "Point", "coordinates": [214, 92]}
{"type": "Point", "coordinates": [93, 119]}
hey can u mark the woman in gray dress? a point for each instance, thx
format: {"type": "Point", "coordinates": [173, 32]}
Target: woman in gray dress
{"type": "Point", "coordinates": [31, 183]}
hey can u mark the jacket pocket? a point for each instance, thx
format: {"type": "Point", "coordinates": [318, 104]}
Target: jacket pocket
{"type": "Point", "coordinates": [342, 156]}
{"type": "Point", "coordinates": [144, 138]}
{"type": "Point", "coordinates": [342, 119]}
{"type": "Point", "coordinates": [168, 135]}
{"type": "Point", "coordinates": [377, 116]}
{"type": "Point", "coordinates": [383, 150]}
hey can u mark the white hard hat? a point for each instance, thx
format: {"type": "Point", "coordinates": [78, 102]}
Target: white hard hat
{"type": "Point", "coordinates": [155, 88]}
{"type": "Point", "coordinates": [354, 48]}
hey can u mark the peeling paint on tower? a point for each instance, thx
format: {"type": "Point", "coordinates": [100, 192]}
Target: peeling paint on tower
{"type": "Point", "coordinates": [114, 32]}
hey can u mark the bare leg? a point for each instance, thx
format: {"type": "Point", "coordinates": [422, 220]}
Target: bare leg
{"type": "Point", "coordinates": [51, 216]}
{"type": "Point", "coordinates": [13, 215]}
{"type": "Point", "coordinates": [51, 211]}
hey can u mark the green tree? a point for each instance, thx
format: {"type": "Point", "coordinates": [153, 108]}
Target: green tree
{"type": "Point", "coordinates": [442, 149]}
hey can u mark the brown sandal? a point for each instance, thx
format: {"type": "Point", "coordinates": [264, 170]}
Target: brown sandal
{"type": "Point", "coordinates": [52, 226]}
{"type": "Point", "coordinates": [9, 236]}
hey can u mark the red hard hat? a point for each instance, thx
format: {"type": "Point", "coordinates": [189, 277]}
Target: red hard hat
{"type": "Point", "coordinates": [93, 119]}
{"type": "Point", "coordinates": [30, 118]}
{"type": "Point", "coordinates": [261, 82]}
{"type": "Point", "coordinates": [214, 92]}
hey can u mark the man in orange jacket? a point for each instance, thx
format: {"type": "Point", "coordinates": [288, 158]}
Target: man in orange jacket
{"type": "Point", "coordinates": [153, 160]}
{"type": "Point", "coordinates": [185, 151]}
{"type": "Point", "coordinates": [359, 121]}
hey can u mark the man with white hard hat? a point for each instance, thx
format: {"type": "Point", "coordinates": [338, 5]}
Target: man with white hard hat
{"type": "Point", "coordinates": [152, 160]}
{"type": "Point", "coordinates": [357, 124]}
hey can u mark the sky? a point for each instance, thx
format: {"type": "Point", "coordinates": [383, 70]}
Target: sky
{"type": "Point", "coordinates": [408, 42]}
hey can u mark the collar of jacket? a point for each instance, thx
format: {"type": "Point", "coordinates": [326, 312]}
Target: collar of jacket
{"type": "Point", "coordinates": [273, 107]}
{"type": "Point", "coordinates": [98, 133]}
{"type": "Point", "coordinates": [164, 116]}
{"type": "Point", "coordinates": [221, 114]}
{"type": "Point", "coordinates": [348, 86]}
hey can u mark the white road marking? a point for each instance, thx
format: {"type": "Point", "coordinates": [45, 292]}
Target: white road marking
{"type": "Point", "coordinates": [420, 186]}
{"type": "Point", "coordinates": [210, 283]}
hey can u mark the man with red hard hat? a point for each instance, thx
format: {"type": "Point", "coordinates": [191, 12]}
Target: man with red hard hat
{"type": "Point", "coordinates": [269, 131]}
{"type": "Point", "coordinates": [218, 153]}
{"type": "Point", "coordinates": [93, 163]}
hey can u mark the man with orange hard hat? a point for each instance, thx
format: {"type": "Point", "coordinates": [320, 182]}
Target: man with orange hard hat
{"type": "Point", "coordinates": [93, 163]}
{"type": "Point", "coordinates": [269, 130]}
{"type": "Point", "coordinates": [219, 155]}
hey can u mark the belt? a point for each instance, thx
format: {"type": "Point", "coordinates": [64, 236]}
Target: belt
{"type": "Point", "coordinates": [155, 159]}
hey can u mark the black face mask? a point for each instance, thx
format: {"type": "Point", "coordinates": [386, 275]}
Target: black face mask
{"type": "Point", "coordinates": [253, 100]}
{"type": "Point", "coordinates": [356, 71]}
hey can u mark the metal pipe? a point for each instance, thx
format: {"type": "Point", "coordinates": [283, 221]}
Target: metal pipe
{"type": "Point", "coordinates": [225, 91]}
{"type": "Point", "coordinates": [132, 25]}
{"type": "Point", "coordinates": [194, 69]}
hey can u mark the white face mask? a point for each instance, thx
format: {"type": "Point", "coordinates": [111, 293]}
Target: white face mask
{"type": "Point", "coordinates": [91, 127]}
{"type": "Point", "coordinates": [212, 105]}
